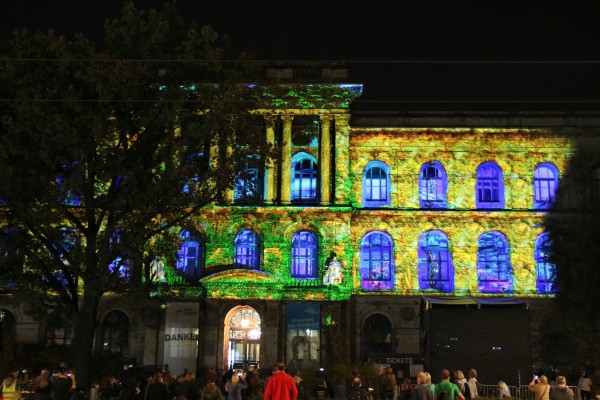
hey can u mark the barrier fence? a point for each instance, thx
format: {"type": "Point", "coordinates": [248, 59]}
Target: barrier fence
{"type": "Point", "coordinates": [517, 392]}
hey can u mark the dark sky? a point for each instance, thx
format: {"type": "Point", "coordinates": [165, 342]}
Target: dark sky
{"type": "Point", "coordinates": [521, 53]}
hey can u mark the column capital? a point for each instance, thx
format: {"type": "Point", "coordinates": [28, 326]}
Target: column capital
{"type": "Point", "coordinates": [326, 118]}
{"type": "Point", "coordinates": [287, 118]}
{"type": "Point", "coordinates": [270, 120]}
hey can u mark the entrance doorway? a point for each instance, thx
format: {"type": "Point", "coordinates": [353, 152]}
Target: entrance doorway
{"type": "Point", "coordinates": [242, 338]}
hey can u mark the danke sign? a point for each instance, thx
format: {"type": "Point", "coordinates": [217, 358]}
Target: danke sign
{"type": "Point", "coordinates": [181, 337]}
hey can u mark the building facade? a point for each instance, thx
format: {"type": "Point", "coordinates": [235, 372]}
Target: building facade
{"type": "Point", "coordinates": [410, 239]}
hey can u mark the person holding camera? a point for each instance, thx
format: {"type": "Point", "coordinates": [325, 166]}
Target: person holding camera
{"type": "Point", "coordinates": [540, 387]}
{"type": "Point", "coordinates": [63, 385]}
{"type": "Point", "coordinates": [236, 385]}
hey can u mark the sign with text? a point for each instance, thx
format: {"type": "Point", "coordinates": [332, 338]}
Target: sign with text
{"type": "Point", "coordinates": [303, 326]}
{"type": "Point", "coordinates": [181, 337]}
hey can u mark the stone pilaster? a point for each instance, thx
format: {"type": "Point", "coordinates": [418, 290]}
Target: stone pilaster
{"type": "Point", "coordinates": [286, 159]}
{"type": "Point", "coordinates": [270, 186]}
{"type": "Point", "coordinates": [325, 159]}
{"type": "Point", "coordinates": [343, 186]}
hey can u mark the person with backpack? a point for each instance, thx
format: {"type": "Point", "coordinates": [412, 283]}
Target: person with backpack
{"type": "Point", "coordinates": [446, 390]}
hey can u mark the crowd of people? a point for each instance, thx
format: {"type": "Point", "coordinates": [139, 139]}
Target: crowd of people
{"type": "Point", "coordinates": [135, 384]}
{"type": "Point", "coordinates": [59, 384]}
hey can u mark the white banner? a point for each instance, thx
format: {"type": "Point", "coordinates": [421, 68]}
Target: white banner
{"type": "Point", "coordinates": [181, 337]}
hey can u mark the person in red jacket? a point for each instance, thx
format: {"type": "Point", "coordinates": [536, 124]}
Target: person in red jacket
{"type": "Point", "coordinates": [281, 386]}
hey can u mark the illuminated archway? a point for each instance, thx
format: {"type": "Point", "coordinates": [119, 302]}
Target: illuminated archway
{"type": "Point", "coordinates": [241, 347]}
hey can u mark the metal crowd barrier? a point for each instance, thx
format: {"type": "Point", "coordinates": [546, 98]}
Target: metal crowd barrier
{"type": "Point", "coordinates": [517, 392]}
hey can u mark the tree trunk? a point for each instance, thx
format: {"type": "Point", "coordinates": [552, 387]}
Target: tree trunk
{"type": "Point", "coordinates": [84, 327]}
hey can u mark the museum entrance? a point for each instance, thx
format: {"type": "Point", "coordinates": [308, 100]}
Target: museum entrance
{"type": "Point", "coordinates": [242, 343]}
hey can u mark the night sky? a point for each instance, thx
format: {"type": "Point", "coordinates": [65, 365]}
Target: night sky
{"type": "Point", "coordinates": [438, 54]}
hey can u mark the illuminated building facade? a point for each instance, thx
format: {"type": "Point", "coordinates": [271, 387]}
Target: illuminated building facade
{"type": "Point", "coordinates": [349, 240]}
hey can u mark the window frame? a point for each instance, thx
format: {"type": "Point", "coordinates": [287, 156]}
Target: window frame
{"type": "Point", "coordinates": [440, 184]}
{"type": "Point", "coordinates": [304, 255]}
{"type": "Point", "coordinates": [250, 180]}
{"type": "Point", "coordinates": [492, 185]}
{"type": "Point", "coordinates": [384, 187]}
{"type": "Point", "coordinates": [443, 280]}
{"type": "Point", "coordinates": [248, 249]}
{"type": "Point", "coordinates": [545, 271]}
{"type": "Point", "coordinates": [544, 188]}
{"type": "Point", "coordinates": [301, 174]}
{"type": "Point", "coordinates": [181, 265]}
{"type": "Point", "coordinates": [494, 269]}
{"type": "Point", "coordinates": [370, 266]}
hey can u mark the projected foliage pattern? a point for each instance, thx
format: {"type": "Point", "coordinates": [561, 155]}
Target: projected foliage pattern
{"type": "Point", "coordinates": [447, 211]}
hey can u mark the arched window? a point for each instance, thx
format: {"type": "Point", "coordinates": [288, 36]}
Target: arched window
{"type": "Point", "coordinates": [190, 259]}
{"type": "Point", "coordinates": [247, 250]}
{"type": "Point", "coordinates": [304, 178]}
{"type": "Point", "coordinates": [58, 329]}
{"type": "Point", "coordinates": [376, 261]}
{"type": "Point", "coordinates": [68, 181]}
{"type": "Point", "coordinates": [65, 248]}
{"type": "Point", "coordinates": [11, 249]}
{"type": "Point", "coordinates": [66, 244]}
{"type": "Point", "coordinates": [250, 179]}
{"type": "Point", "coordinates": [433, 184]}
{"type": "Point", "coordinates": [7, 329]}
{"type": "Point", "coordinates": [305, 255]}
{"type": "Point", "coordinates": [545, 183]}
{"type": "Point", "coordinates": [490, 186]}
{"type": "Point", "coordinates": [376, 185]}
{"type": "Point", "coordinates": [377, 335]}
{"type": "Point", "coordinates": [595, 189]}
{"type": "Point", "coordinates": [120, 264]}
{"type": "Point", "coordinates": [435, 262]}
{"type": "Point", "coordinates": [115, 333]}
{"type": "Point", "coordinates": [494, 270]}
{"type": "Point", "coordinates": [545, 269]}
{"type": "Point", "coordinates": [196, 161]}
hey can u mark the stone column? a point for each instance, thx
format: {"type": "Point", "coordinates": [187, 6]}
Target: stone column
{"type": "Point", "coordinates": [286, 159]}
{"type": "Point", "coordinates": [343, 186]}
{"type": "Point", "coordinates": [325, 159]}
{"type": "Point", "coordinates": [214, 161]}
{"type": "Point", "coordinates": [270, 187]}
{"type": "Point", "coordinates": [228, 196]}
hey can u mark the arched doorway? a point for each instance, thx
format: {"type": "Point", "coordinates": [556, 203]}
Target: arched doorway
{"type": "Point", "coordinates": [115, 333]}
{"type": "Point", "coordinates": [377, 335]}
{"type": "Point", "coordinates": [242, 338]}
{"type": "Point", "coordinates": [7, 330]}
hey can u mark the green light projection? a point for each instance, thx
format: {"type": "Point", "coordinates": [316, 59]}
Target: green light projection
{"type": "Point", "coordinates": [341, 227]}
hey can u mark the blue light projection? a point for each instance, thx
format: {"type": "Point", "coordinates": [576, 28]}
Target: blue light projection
{"type": "Point", "coordinates": [490, 186]}
{"type": "Point", "coordinates": [433, 183]}
{"type": "Point", "coordinates": [435, 270]}
{"type": "Point", "coordinates": [247, 250]}
{"type": "Point", "coordinates": [545, 270]}
{"type": "Point", "coordinates": [376, 261]}
{"type": "Point", "coordinates": [545, 184]}
{"type": "Point", "coordinates": [376, 184]}
{"type": "Point", "coordinates": [494, 271]}
{"type": "Point", "coordinates": [305, 255]}
{"type": "Point", "coordinates": [190, 254]}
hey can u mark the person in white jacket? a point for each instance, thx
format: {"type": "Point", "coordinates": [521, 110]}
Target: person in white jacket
{"type": "Point", "coordinates": [471, 386]}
